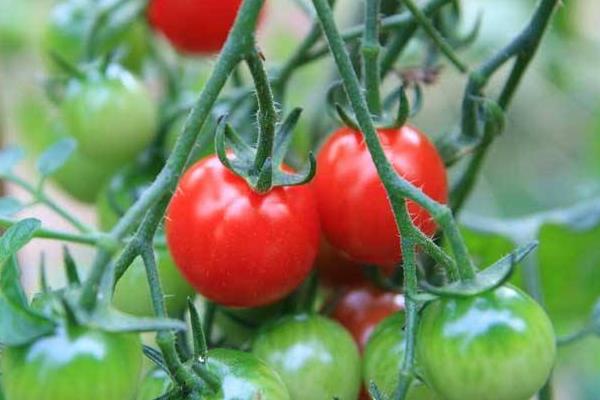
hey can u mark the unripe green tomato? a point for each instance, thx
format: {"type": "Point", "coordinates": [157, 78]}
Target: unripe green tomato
{"type": "Point", "coordinates": [156, 383]}
{"type": "Point", "coordinates": [236, 327]}
{"type": "Point", "coordinates": [74, 364]}
{"type": "Point", "coordinates": [315, 356]}
{"type": "Point", "coordinates": [112, 116]}
{"type": "Point", "coordinates": [383, 358]}
{"type": "Point", "coordinates": [132, 293]}
{"type": "Point", "coordinates": [80, 176]}
{"type": "Point", "coordinates": [243, 377]}
{"type": "Point", "coordinates": [69, 23]}
{"type": "Point", "coordinates": [499, 345]}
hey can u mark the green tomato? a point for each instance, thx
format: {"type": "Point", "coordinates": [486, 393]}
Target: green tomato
{"type": "Point", "coordinates": [383, 358]}
{"type": "Point", "coordinates": [236, 327]}
{"type": "Point", "coordinates": [315, 356]}
{"type": "Point", "coordinates": [132, 293]}
{"type": "Point", "coordinates": [112, 116]}
{"type": "Point", "coordinates": [73, 364]}
{"type": "Point", "coordinates": [156, 383]}
{"type": "Point", "coordinates": [499, 345]}
{"type": "Point", "coordinates": [243, 377]}
{"type": "Point", "coordinates": [80, 176]}
{"type": "Point", "coordinates": [70, 21]}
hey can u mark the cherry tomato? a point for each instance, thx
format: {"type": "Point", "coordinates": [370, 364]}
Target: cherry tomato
{"type": "Point", "coordinates": [356, 216]}
{"type": "Point", "coordinates": [315, 357]}
{"type": "Point", "coordinates": [383, 358]}
{"type": "Point", "coordinates": [243, 377]}
{"type": "Point", "coordinates": [500, 344]}
{"type": "Point", "coordinates": [73, 364]}
{"type": "Point", "coordinates": [132, 293]}
{"type": "Point", "coordinates": [69, 23]}
{"type": "Point", "coordinates": [195, 27]}
{"type": "Point", "coordinates": [334, 269]}
{"type": "Point", "coordinates": [362, 307]}
{"type": "Point", "coordinates": [111, 115]}
{"type": "Point", "coordinates": [81, 177]}
{"type": "Point", "coordinates": [156, 383]}
{"type": "Point", "coordinates": [236, 247]}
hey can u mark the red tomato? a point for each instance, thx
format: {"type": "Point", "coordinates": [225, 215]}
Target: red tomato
{"type": "Point", "coordinates": [194, 26]}
{"type": "Point", "coordinates": [235, 246]}
{"type": "Point", "coordinates": [362, 307]}
{"type": "Point", "coordinates": [334, 269]}
{"type": "Point", "coordinates": [355, 214]}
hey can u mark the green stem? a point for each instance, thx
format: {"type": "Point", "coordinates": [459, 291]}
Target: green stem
{"type": "Point", "coordinates": [524, 48]}
{"type": "Point", "coordinates": [395, 186]}
{"type": "Point", "coordinates": [239, 44]}
{"type": "Point", "coordinates": [370, 55]}
{"type": "Point", "coordinates": [267, 115]}
{"type": "Point", "coordinates": [435, 36]}
{"type": "Point", "coordinates": [40, 196]}
{"type": "Point", "coordinates": [91, 239]}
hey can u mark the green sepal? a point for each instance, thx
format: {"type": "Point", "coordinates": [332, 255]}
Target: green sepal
{"type": "Point", "coordinates": [9, 206]}
{"type": "Point", "coordinates": [10, 157]}
{"type": "Point", "coordinates": [19, 324]}
{"type": "Point", "coordinates": [55, 156]}
{"type": "Point", "coordinates": [486, 280]}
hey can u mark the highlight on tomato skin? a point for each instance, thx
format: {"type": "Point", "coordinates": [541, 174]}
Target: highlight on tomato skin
{"type": "Point", "coordinates": [194, 27]}
{"type": "Point", "coordinates": [236, 247]}
{"type": "Point", "coordinates": [355, 214]}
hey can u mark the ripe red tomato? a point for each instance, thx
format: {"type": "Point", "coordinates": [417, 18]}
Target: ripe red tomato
{"type": "Point", "coordinates": [362, 307]}
{"type": "Point", "coordinates": [334, 269]}
{"type": "Point", "coordinates": [356, 216]}
{"type": "Point", "coordinates": [194, 26]}
{"type": "Point", "coordinates": [235, 246]}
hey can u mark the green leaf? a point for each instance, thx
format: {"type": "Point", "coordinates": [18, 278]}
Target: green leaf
{"type": "Point", "coordinates": [19, 325]}
{"type": "Point", "coordinates": [10, 282]}
{"type": "Point", "coordinates": [487, 279]}
{"type": "Point", "coordinates": [569, 262]}
{"type": "Point", "coordinates": [16, 237]}
{"type": "Point", "coordinates": [10, 157]}
{"type": "Point", "coordinates": [70, 267]}
{"type": "Point", "coordinates": [55, 156]}
{"type": "Point", "coordinates": [9, 206]}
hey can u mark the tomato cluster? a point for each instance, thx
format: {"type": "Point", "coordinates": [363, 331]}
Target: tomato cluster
{"type": "Point", "coordinates": [258, 259]}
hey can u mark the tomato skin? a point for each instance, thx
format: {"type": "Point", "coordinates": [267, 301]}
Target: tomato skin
{"type": "Point", "coordinates": [362, 307]}
{"type": "Point", "coordinates": [244, 377]}
{"type": "Point", "coordinates": [112, 117]}
{"type": "Point", "coordinates": [236, 247]}
{"type": "Point", "coordinates": [316, 357]}
{"type": "Point", "coordinates": [383, 358]}
{"type": "Point", "coordinates": [74, 365]}
{"type": "Point", "coordinates": [356, 216]}
{"type": "Point", "coordinates": [156, 383]}
{"type": "Point", "coordinates": [334, 269]}
{"type": "Point", "coordinates": [499, 345]}
{"type": "Point", "coordinates": [194, 27]}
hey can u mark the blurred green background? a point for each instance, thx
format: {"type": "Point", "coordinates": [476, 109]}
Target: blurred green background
{"type": "Point", "coordinates": [547, 159]}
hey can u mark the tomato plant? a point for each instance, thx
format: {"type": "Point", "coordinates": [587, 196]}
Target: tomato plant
{"type": "Point", "coordinates": [71, 364]}
{"type": "Point", "coordinates": [315, 357]}
{"type": "Point", "coordinates": [235, 246]}
{"type": "Point", "coordinates": [355, 213]}
{"type": "Point", "coordinates": [491, 339]}
{"type": "Point", "coordinates": [195, 27]}
{"type": "Point", "coordinates": [383, 357]}
{"type": "Point", "coordinates": [155, 384]}
{"type": "Point", "coordinates": [69, 23]}
{"type": "Point", "coordinates": [132, 293]}
{"type": "Point", "coordinates": [113, 99]}
{"type": "Point", "coordinates": [362, 307]}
